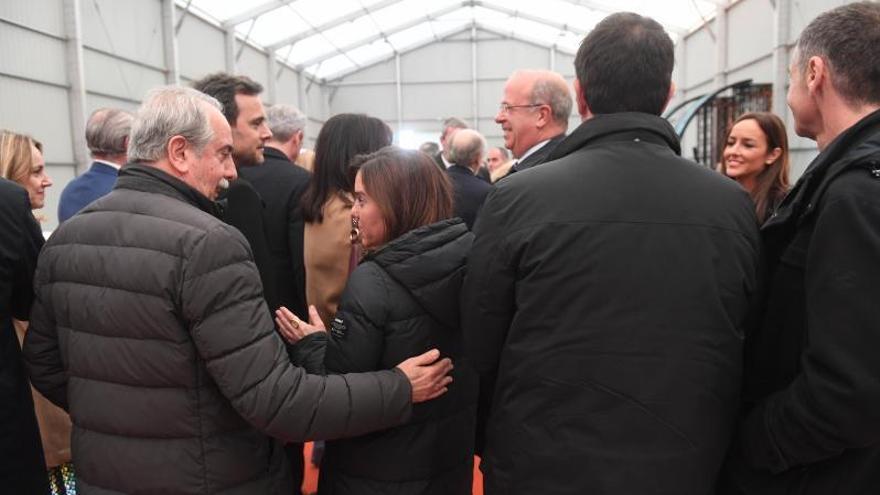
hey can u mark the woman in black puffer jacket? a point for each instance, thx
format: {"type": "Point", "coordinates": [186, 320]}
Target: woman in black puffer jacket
{"type": "Point", "coordinates": [402, 299]}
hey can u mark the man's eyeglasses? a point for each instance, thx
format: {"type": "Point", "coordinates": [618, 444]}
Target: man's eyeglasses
{"type": "Point", "coordinates": [505, 108]}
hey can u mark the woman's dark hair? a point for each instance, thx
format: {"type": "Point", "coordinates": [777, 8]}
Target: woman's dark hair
{"type": "Point", "coordinates": [342, 137]}
{"type": "Point", "coordinates": [408, 187]}
{"type": "Point", "coordinates": [772, 184]}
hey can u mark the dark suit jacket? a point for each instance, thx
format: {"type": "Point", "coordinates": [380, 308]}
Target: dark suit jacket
{"type": "Point", "coordinates": [96, 182]}
{"type": "Point", "coordinates": [243, 209]}
{"type": "Point", "coordinates": [537, 157]}
{"type": "Point", "coordinates": [482, 173]}
{"type": "Point", "coordinates": [281, 183]}
{"type": "Point", "coordinates": [470, 192]}
{"type": "Point", "coordinates": [23, 469]}
{"type": "Point", "coordinates": [438, 159]}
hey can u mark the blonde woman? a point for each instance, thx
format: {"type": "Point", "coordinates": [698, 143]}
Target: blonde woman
{"type": "Point", "coordinates": [21, 161]}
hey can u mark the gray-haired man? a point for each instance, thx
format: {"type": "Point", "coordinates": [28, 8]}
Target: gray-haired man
{"type": "Point", "coordinates": [107, 137]}
{"type": "Point", "coordinates": [149, 326]}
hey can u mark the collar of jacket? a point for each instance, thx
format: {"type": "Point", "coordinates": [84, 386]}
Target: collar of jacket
{"type": "Point", "coordinates": [619, 127]}
{"type": "Point", "coordinates": [139, 177]}
{"type": "Point", "coordinates": [270, 152]}
{"type": "Point", "coordinates": [458, 169]}
{"type": "Point", "coordinates": [858, 146]}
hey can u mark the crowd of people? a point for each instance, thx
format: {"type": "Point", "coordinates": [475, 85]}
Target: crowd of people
{"type": "Point", "coordinates": [587, 311]}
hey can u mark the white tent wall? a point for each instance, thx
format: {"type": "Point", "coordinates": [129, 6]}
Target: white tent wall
{"type": "Point", "coordinates": [123, 56]}
{"type": "Point", "coordinates": [437, 81]}
{"type": "Point", "coordinates": [745, 44]}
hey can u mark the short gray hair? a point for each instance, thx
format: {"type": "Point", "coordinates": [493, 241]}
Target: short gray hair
{"type": "Point", "coordinates": [106, 131]}
{"type": "Point", "coordinates": [468, 146]}
{"type": "Point", "coordinates": [551, 89]}
{"type": "Point", "coordinates": [284, 121]}
{"type": "Point", "coordinates": [170, 111]}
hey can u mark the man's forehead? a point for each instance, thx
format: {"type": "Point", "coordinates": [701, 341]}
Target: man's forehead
{"type": "Point", "coordinates": [221, 128]}
{"type": "Point", "coordinates": [250, 102]}
{"type": "Point", "coordinates": [518, 85]}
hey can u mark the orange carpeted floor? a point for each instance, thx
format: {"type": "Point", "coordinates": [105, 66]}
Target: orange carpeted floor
{"type": "Point", "coordinates": [310, 483]}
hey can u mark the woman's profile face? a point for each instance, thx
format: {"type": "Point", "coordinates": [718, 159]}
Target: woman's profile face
{"type": "Point", "coordinates": [746, 153]}
{"type": "Point", "coordinates": [368, 216]}
{"type": "Point", "coordinates": [37, 181]}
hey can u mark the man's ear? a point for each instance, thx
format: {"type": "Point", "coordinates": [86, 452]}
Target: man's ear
{"type": "Point", "coordinates": [669, 96]}
{"type": "Point", "coordinates": [816, 74]}
{"type": "Point", "coordinates": [545, 116]}
{"type": "Point", "coordinates": [583, 108]}
{"type": "Point", "coordinates": [178, 154]}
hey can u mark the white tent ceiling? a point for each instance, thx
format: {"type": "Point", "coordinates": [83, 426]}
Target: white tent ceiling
{"type": "Point", "coordinates": [330, 38]}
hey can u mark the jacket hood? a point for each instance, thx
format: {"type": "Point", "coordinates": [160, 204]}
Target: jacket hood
{"type": "Point", "coordinates": [646, 126]}
{"type": "Point", "coordinates": [430, 262]}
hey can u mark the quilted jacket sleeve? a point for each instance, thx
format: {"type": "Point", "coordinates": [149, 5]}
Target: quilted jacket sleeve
{"type": "Point", "coordinates": [41, 350]}
{"type": "Point", "coordinates": [233, 332]}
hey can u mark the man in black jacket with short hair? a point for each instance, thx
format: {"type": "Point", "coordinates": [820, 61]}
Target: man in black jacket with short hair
{"type": "Point", "coordinates": [609, 293]}
{"type": "Point", "coordinates": [811, 400]}
{"type": "Point", "coordinates": [280, 185]}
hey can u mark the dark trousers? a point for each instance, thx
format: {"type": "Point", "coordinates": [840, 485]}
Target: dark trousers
{"type": "Point", "coordinates": [294, 453]}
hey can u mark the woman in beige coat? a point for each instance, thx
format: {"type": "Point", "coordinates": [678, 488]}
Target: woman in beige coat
{"type": "Point", "coordinates": [326, 206]}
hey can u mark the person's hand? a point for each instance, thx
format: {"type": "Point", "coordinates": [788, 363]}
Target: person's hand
{"type": "Point", "coordinates": [428, 375]}
{"type": "Point", "coordinates": [293, 329]}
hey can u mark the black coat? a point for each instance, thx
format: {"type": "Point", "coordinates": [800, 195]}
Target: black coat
{"type": "Point", "coordinates": [470, 192]}
{"type": "Point", "coordinates": [243, 208]}
{"type": "Point", "coordinates": [280, 184]}
{"type": "Point", "coordinates": [607, 297]}
{"type": "Point", "coordinates": [23, 469]}
{"type": "Point", "coordinates": [400, 302]}
{"type": "Point", "coordinates": [149, 324]}
{"type": "Point", "coordinates": [812, 383]}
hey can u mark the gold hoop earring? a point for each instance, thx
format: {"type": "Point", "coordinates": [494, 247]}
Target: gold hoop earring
{"type": "Point", "coordinates": [355, 233]}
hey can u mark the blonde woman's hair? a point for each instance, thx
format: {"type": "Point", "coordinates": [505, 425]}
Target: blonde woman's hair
{"type": "Point", "coordinates": [17, 155]}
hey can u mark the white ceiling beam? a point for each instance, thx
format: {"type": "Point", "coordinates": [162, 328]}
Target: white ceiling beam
{"type": "Point", "coordinates": [525, 39]}
{"type": "Point", "coordinates": [384, 58]}
{"type": "Point", "coordinates": [380, 35]}
{"type": "Point", "coordinates": [255, 12]}
{"type": "Point", "coordinates": [529, 17]}
{"type": "Point", "coordinates": [332, 23]}
{"type": "Point", "coordinates": [607, 9]}
{"type": "Point", "coordinates": [598, 7]}
{"type": "Point", "coordinates": [442, 36]}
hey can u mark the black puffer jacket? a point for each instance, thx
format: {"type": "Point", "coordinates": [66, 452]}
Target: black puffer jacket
{"type": "Point", "coordinates": [400, 302]}
{"type": "Point", "coordinates": [150, 326]}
